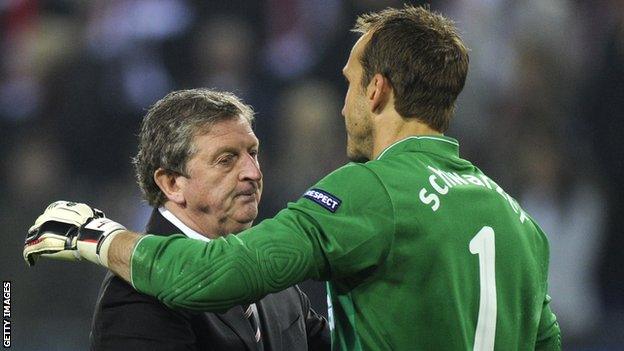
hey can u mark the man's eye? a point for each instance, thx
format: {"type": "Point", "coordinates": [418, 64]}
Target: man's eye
{"type": "Point", "coordinates": [225, 160]}
{"type": "Point", "coordinates": [253, 153]}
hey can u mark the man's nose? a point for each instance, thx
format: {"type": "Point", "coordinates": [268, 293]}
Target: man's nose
{"type": "Point", "coordinates": [251, 169]}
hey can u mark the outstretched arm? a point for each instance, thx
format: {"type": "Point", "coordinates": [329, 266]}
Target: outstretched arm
{"type": "Point", "coordinates": [182, 272]}
{"type": "Point", "coordinates": [224, 272]}
{"type": "Point", "coordinates": [335, 231]}
{"type": "Point", "coordinates": [120, 253]}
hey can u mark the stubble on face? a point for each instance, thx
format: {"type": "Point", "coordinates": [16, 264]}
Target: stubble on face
{"type": "Point", "coordinates": [358, 119]}
{"type": "Point", "coordinates": [359, 132]}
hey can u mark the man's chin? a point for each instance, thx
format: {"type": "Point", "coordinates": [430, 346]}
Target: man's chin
{"type": "Point", "coordinates": [357, 157]}
{"type": "Point", "coordinates": [237, 225]}
{"type": "Point", "coordinates": [355, 153]}
{"type": "Point", "coordinates": [244, 217]}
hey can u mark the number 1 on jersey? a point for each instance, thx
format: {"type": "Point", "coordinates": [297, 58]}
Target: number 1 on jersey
{"type": "Point", "coordinates": [483, 245]}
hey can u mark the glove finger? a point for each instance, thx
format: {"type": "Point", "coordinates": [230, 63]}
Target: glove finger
{"type": "Point", "coordinates": [65, 212]}
{"type": "Point", "coordinates": [30, 256]}
{"type": "Point", "coordinates": [30, 259]}
{"type": "Point", "coordinates": [98, 213]}
{"type": "Point", "coordinates": [32, 231]}
{"type": "Point", "coordinates": [76, 215]}
{"type": "Point", "coordinates": [45, 242]}
{"type": "Point", "coordinates": [55, 204]}
{"type": "Point", "coordinates": [49, 244]}
{"type": "Point", "coordinates": [65, 255]}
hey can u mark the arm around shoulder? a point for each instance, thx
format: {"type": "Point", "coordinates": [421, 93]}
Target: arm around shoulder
{"type": "Point", "coordinates": [343, 228]}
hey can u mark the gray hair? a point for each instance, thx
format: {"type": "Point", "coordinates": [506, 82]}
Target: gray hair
{"type": "Point", "coordinates": [168, 129]}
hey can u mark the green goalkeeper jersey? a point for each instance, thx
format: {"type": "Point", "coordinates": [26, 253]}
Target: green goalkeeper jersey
{"type": "Point", "coordinates": [421, 251]}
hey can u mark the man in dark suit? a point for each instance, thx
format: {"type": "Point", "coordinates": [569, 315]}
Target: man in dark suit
{"type": "Point", "coordinates": [197, 165]}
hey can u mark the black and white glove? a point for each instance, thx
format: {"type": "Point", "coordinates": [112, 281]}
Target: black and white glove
{"type": "Point", "coordinates": [71, 231]}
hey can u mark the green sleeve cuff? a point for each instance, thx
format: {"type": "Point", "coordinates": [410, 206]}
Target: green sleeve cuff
{"type": "Point", "coordinates": [142, 261]}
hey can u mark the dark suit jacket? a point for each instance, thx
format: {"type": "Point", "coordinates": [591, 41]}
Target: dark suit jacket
{"type": "Point", "coordinates": [128, 320]}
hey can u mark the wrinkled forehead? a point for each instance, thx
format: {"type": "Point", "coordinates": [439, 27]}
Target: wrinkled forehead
{"type": "Point", "coordinates": [223, 122]}
{"type": "Point", "coordinates": [230, 134]}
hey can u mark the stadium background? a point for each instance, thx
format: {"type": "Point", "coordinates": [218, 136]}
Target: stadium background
{"type": "Point", "coordinates": [541, 114]}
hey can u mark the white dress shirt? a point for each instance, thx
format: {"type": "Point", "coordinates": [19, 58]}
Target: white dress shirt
{"type": "Point", "coordinates": [186, 230]}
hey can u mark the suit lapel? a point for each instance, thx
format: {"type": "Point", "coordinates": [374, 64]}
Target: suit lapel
{"type": "Point", "coordinates": [234, 317]}
{"type": "Point", "coordinates": [159, 225]}
{"type": "Point", "coordinates": [272, 335]}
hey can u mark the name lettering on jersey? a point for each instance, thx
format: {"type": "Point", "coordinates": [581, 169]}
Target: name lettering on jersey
{"type": "Point", "coordinates": [443, 182]}
{"type": "Point", "coordinates": [323, 198]}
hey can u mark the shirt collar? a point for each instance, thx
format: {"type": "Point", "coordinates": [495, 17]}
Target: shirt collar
{"type": "Point", "coordinates": [437, 144]}
{"type": "Point", "coordinates": [180, 225]}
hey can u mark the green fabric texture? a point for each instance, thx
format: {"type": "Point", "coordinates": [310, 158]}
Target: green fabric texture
{"type": "Point", "coordinates": [423, 252]}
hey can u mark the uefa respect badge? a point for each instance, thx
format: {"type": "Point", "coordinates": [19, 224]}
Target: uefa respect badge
{"type": "Point", "coordinates": [323, 198]}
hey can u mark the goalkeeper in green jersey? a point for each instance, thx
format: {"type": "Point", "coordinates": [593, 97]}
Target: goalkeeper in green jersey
{"type": "Point", "coordinates": [421, 250]}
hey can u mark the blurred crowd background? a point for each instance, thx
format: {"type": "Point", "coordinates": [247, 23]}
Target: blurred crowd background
{"type": "Point", "coordinates": [541, 113]}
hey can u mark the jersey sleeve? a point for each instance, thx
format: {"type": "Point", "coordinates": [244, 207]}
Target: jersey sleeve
{"type": "Point", "coordinates": [342, 227]}
{"type": "Point", "coordinates": [548, 333]}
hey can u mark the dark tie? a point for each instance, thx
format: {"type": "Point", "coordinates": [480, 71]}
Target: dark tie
{"type": "Point", "coordinates": [251, 313]}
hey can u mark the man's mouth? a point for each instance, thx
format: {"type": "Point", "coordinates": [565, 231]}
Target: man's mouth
{"type": "Point", "coordinates": [248, 193]}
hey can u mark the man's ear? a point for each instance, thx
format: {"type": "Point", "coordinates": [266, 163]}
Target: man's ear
{"type": "Point", "coordinates": [171, 184]}
{"type": "Point", "coordinates": [378, 92]}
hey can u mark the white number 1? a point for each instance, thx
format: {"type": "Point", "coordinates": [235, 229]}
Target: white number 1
{"type": "Point", "coordinates": [483, 245]}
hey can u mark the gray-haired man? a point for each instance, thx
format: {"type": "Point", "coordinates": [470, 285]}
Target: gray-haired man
{"type": "Point", "coordinates": [197, 166]}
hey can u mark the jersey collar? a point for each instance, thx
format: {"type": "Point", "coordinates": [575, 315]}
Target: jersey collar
{"type": "Point", "coordinates": [437, 144]}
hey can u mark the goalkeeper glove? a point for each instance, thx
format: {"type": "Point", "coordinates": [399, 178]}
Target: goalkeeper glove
{"type": "Point", "coordinates": [71, 231]}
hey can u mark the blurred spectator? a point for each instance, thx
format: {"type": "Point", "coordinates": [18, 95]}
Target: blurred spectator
{"type": "Point", "coordinates": [603, 105]}
{"type": "Point", "coordinates": [568, 205]}
{"type": "Point", "coordinates": [298, 34]}
{"type": "Point", "coordinates": [223, 54]}
{"type": "Point", "coordinates": [308, 137]}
